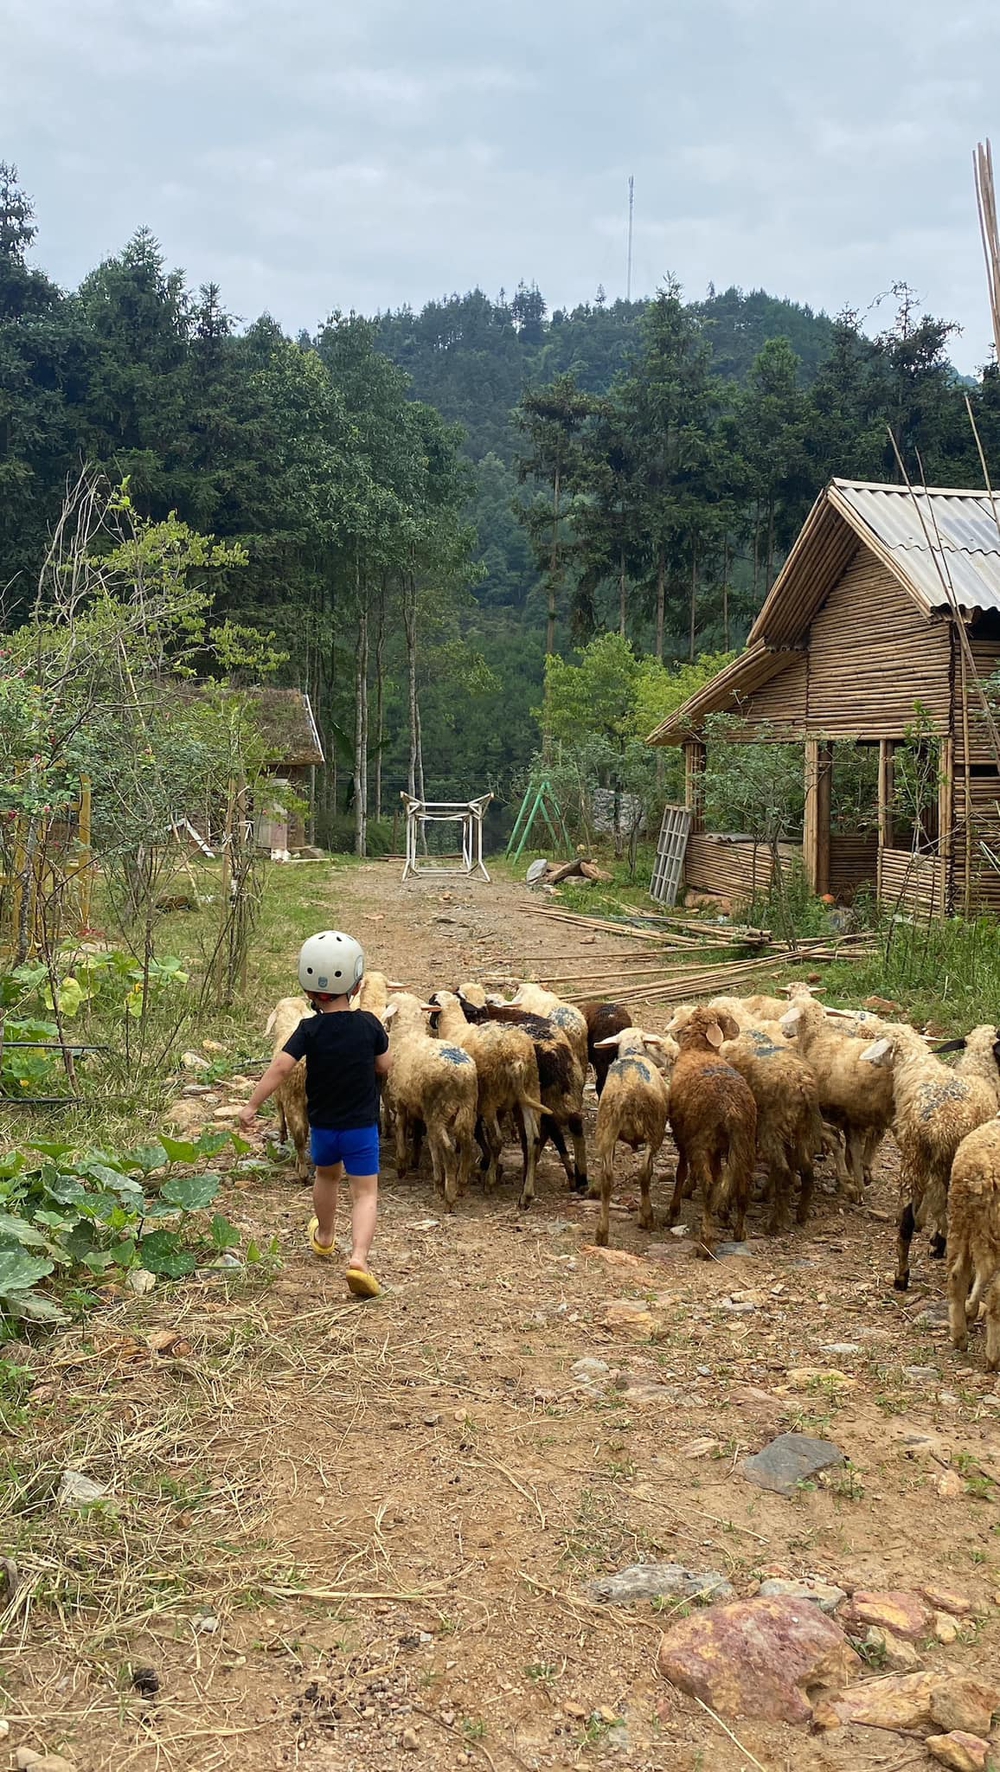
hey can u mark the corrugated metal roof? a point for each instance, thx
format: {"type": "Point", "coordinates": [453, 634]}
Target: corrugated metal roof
{"type": "Point", "coordinates": [929, 534]}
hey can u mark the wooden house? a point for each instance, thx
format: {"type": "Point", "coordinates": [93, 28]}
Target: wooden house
{"type": "Point", "coordinates": [885, 618]}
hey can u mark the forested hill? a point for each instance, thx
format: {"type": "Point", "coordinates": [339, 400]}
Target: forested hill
{"type": "Point", "coordinates": [473, 357]}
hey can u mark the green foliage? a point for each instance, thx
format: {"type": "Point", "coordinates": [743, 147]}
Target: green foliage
{"type": "Point", "coordinates": [66, 1213]}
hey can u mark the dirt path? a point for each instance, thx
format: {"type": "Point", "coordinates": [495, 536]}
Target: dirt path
{"type": "Point", "coordinates": [392, 1513]}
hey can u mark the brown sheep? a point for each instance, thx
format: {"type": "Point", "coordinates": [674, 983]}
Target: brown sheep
{"type": "Point", "coordinates": [603, 1021]}
{"type": "Point", "coordinates": [974, 1238]}
{"type": "Point", "coordinates": [789, 1127]}
{"type": "Point", "coordinates": [507, 1071]}
{"type": "Point", "coordinates": [559, 1076]}
{"type": "Point", "coordinates": [713, 1117]}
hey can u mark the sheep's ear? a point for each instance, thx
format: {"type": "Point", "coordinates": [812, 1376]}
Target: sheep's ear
{"type": "Point", "coordinates": [430, 1008]}
{"type": "Point", "coordinates": [612, 1040]}
{"type": "Point", "coordinates": [272, 1018]}
{"type": "Point", "coordinates": [878, 1053]}
{"type": "Point", "coordinates": [790, 1020]}
{"type": "Point", "coordinates": [714, 1035]}
{"type": "Point", "coordinates": [393, 984]}
{"type": "Point", "coordinates": [949, 1046]}
{"type": "Point", "coordinates": [388, 1012]}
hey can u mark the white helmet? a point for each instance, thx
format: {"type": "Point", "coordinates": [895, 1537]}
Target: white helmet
{"type": "Point", "coordinates": [331, 962]}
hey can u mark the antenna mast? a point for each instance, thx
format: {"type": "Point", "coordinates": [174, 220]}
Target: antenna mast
{"type": "Point", "coordinates": [628, 267]}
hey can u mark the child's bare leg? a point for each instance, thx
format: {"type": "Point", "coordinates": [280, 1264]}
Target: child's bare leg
{"type": "Point", "coordinates": [364, 1208]}
{"type": "Point", "coordinates": [325, 1185]}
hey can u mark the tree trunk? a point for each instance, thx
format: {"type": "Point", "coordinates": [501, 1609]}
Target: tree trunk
{"type": "Point", "coordinates": [694, 602]}
{"type": "Point", "coordinates": [379, 704]}
{"type": "Point", "coordinates": [410, 628]}
{"type": "Point", "coordinates": [661, 598]}
{"type": "Point", "coordinates": [756, 549]}
{"type": "Point", "coordinates": [550, 629]}
{"type": "Point", "coordinates": [361, 736]}
{"type": "Point", "coordinates": [622, 594]}
{"type": "Point", "coordinates": [725, 597]}
{"type": "Point", "coordinates": [770, 546]}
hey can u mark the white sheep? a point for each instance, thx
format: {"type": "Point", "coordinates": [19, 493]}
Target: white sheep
{"type": "Point", "coordinates": [374, 992]}
{"type": "Point", "coordinates": [507, 1072]}
{"type": "Point", "coordinates": [633, 1108]}
{"type": "Point", "coordinates": [433, 1086]}
{"type": "Point", "coordinates": [855, 1098]}
{"type": "Point", "coordinates": [290, 1095]}
{"type": "Point", "coordinates": [935, 1108]}
{"type": "Point", "coordinates": [974, 1238]}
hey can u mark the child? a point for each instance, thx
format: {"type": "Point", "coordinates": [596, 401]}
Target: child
{"type": "Point", "coordinates": [345, 1052]}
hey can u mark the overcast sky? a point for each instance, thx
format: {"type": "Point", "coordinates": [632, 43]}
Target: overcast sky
{"type": "Point", "coordinates": [308, 156]}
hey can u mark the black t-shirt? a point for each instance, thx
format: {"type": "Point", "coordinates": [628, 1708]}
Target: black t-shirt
{"type": "Point", "coordinates": [340, 1050]}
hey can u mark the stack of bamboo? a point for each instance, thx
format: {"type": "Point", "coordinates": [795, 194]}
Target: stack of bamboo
{"type": "Point", "coordinates": [673, 961]}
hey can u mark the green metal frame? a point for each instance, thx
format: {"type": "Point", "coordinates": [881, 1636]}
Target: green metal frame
{"type": "Point", "coordinates": [539, 797]}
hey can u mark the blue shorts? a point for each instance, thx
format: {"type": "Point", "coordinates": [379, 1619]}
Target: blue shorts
{"type": "Point", "coordinates": [357, 1148]}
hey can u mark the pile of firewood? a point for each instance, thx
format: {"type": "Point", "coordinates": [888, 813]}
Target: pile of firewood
{"type": "Point", "coordinates": [581, 866]}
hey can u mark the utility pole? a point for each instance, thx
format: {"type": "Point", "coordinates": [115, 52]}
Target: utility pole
{"type": "Point", "coordinates": [628, 267]}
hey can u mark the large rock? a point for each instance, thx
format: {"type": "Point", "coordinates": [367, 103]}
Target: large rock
{"type": "Point", "coordinates": [904, 1614]}
{"type": "Point", "coordinates": [899, 1701]}
{"type": "Point", "coordinates": [961, 1702]}
{"type": "Point", "coordinates": [965, 1702]}
{"type": "Point", "coordinates": [758, 1658]}
{"type": "Point", "coordinates": [789, 1460]}
{"type": "Point", "coordinates": [945, 1599]}
{"type": "Point", "coordinates": [962, 1752]}
{"type": "Point", "coordinates": [655, 1581]}
{"type": "Point", "coordinates": [626, 1317]}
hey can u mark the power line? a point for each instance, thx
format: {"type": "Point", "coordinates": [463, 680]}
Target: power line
{"type": "Point", "coordinates": [628, 267]}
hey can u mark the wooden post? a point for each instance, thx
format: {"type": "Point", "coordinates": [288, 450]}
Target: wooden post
{"type": "Point", "coordinates": [946, 834]}
{"type": "Point", "coordinates": [816, 820]}
{"type": "Point", "coordinates": [810, 829]}
{"type": "Point", "coordinates": [886, 791]}
{"type": "Point", "coordinates": [695, 759]}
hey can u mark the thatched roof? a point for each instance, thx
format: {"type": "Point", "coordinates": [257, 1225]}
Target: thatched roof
{"type": "Point", "coordinates": [288, 723]}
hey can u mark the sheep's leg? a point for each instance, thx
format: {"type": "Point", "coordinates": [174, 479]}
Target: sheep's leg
{"type": "Point", "coordinates": [485, 1157]}
{"type": "Point", "coordinates": [575, 1124]}
{"type": "Point", "coordinates": [807, 1179]}
{"type": "Point", "coordinates": [904, 1238]}
{"type": "Point", "coordinates": [602, 1066]}
{"type": "Point", "coordinates": [445, 1162]}
{"type": "Point", "coordinates": [710, 1187]}
{"type": "Point", "coordinates": [552, 1129]}
{"type": "Point", "coordinates": [873, 1144]}
{"type": "Point", "coordinates": [647, 1222]}
{"type": "Point", "coordinates": [606, 1168]}
{"type": "Point", "coordinates": [855, 1185]}
{"type": "Point", "coordinates": [938, 1246]}
{"type": "Point", "coordinates": [780, 1187]}
{"type": "Point", "coordinates": [531, 1144]}
{"type": "Point", "coordinates": [991, 1305]}
{"type": "Point", "coordinates": [494, 1146]}
{"type": "Point", "coordinates": [959, 1281]}
{"type": "Point", "coordinates": [737, 1203]}
{"type": "Point", "coordinates": [679, 1179]}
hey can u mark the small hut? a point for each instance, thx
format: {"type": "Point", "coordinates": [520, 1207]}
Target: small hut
{"type": "Point", "coordinates": [885, 617]}
{"type": "Point", "coordinates": [289, 726]}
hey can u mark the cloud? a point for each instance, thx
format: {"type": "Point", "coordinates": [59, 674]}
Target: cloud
{"type": "Point", "coordinates": [312, 156]}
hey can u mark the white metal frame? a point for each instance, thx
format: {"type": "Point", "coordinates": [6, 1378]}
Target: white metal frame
{"type": "Point", "coordinates": [467, 813]}
{"type": "Point", "coordinates": [671, 850]}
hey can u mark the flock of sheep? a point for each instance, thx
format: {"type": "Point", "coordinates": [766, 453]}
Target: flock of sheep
{"type": "Point", "coordinates": [738, 1079]}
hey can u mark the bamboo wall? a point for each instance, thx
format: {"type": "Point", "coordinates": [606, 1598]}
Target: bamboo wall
{"type": "Point", "coordinates": [853, 861]}
{"type": "Point", "coordinates": [871, 656]}
{"type": "Point", "coordinates": [910, 881]}
{"type": "Point", "coordinates": [730, 866]}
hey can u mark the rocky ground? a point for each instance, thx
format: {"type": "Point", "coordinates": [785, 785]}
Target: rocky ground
{"type": "Point", "coordinates": [344, 1537]}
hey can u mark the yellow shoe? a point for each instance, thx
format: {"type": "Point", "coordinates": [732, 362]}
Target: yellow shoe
{"type": "Point", "coordinates": [362, 1283]}
{"type": "Point", "coordinates": [324, 1249]}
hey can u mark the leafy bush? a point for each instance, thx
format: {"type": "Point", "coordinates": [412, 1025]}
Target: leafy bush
{"type": "Point", "coordinates": [73, 1215]}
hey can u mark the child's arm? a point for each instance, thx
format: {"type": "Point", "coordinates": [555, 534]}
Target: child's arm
{"type": "Point", "coordinates": [383, 1064]}
{"type": "Point", "coordinates": [279, 1068]}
